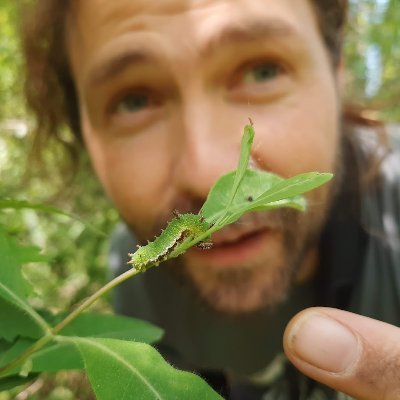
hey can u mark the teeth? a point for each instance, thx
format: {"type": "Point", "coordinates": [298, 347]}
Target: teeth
{"type": "Point", "coordinates": [224, 237]}
{"type": "Point", "coordinates": [229, 236]}
{"type": "Point", "coordinates": [247, 225]}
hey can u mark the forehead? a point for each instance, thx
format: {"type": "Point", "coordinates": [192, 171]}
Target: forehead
{"type": "Point", "coordinates": [105, 17]}
{"type": "Point", "coordinates": [171, 28]}
{"type": "Point", "coordinates": [122, 8]}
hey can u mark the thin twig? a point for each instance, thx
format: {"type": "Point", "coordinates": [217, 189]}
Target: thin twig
{"type": "Point", "coordinates": [44, 340]}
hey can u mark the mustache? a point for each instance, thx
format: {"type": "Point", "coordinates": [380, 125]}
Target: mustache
{"type": "Point", "coordinates": [287, 220]}
{"type": "Point", "coordinates": [284, 219]}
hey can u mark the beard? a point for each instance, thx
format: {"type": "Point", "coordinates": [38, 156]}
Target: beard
{"type": "Point", "coordinates": [264, 281]}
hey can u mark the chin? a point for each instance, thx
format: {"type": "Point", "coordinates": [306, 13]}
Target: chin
{"type": "Point", "coordinates": [261, 284]}
{"type": "Point", "coordinates": [244, 292]}
{"type": "Point", "coordinates": [262, 277]}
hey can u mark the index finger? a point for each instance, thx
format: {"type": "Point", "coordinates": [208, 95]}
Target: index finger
{"type": "Point", "coordinates": [348, 352]}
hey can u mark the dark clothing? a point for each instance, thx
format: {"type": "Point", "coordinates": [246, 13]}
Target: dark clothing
{"type": "Point", "coordinates": [242, 357]}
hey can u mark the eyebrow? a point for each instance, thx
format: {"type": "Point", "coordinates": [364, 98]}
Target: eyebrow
{"type": "Point", "coordinates": [118, 64]}
{"type": "Point", "coordinates": [245, 32]}
{"type": "Point", "coordinates": [249, 31]}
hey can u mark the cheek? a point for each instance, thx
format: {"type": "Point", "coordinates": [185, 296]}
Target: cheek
{"type": "Point", "coordinates": [136, 181]}
{"type": "Point", "coordinates": [300, 135]}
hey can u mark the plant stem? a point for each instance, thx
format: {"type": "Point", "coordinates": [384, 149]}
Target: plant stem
{"type": "Point", "coordinates": [185, 246]}
{"type": "Point", "coordinates": [54, 331]}
{"type": "Point", "coordinates": [90, 300]}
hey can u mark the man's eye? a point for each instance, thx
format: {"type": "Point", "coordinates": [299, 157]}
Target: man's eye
{"type": "Point", "coordinates": [262, 72]}
{"type": "Point", "coordinates": [132, 103]}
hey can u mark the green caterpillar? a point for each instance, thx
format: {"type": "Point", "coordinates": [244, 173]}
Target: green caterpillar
{"type": "Point", "coordinates": [184, 226]}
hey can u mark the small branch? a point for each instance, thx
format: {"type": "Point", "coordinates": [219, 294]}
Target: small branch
{"type": "Point", "coordinates": [44, 340]}
{"type": "Point", "coordinates": [185, 246]}
{"type": "Point", "coordinates": [89, 301]}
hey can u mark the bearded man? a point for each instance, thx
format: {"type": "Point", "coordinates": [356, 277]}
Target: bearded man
{"type": "Point", "coordinates": [158, 92]}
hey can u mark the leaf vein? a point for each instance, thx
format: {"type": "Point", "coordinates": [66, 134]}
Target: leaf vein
{"type": "Point", "coordinates": [123, 362]}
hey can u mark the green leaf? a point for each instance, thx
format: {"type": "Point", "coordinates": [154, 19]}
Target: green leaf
{"type": "Point", "coordinates": [65, 356]}
{"type": "Point", "coordinates": [4, 347]}
{"type": "Point", "coordinates": [57, 357]}
{"type": "Point", "coordinates": [245, 151]}
{"type": "Point", "coordinates": [278, 195]}
{"type": "Point", "coordinates": [52, 358]}
{"type": "Point", "coordinates": [128, 370]}
{"type": "Point", "coordinates": [17, 318]}
{"type": "Point", "coordinates": [113, 326]}
{"type": "Point", "coordinates": [31, 254]}
{"type": "Point", "coordinates": [294, 186]}
{"type": "Point", "coordinates": [23, 204]}
{"type": "Point", "coordinates": [10, 266]}
{"type": "Point", "coordinates": [245, 190]}
{"type": "Point", "coordinates": [254, 185]}
{"type": "Point", "coordinates": [14, 350]}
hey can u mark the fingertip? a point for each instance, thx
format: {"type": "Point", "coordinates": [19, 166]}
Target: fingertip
{"type": "Point", "coordinates": [317, 339]}
{"type": "Point", "coordinates": [350, 353]}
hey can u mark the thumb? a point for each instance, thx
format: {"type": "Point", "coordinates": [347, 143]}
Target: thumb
{"type": "Point", "coordinates": [350, 353]}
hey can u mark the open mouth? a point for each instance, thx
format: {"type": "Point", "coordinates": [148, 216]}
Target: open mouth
{"type": "Point", "coordinates": [232, 248]}
{"type": "Point", "coordinates": [243, 239]}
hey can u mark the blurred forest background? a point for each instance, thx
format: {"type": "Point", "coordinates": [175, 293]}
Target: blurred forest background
{"type": "Point", "coordinates": [77, 255]}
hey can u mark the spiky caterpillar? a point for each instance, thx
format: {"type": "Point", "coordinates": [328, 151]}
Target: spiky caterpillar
{"type": "Point", "coordinates": [183, 226]}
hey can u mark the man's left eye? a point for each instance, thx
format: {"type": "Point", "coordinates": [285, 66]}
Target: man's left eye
{"type": "Point", "coordinates": [261, 73]}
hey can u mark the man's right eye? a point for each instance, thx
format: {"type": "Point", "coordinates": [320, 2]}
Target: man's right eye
{"type": "Point", "coordinates": [262, 73]}
{"type": "Point", "coordinates": [131, 103]}
{"type": "Point", "coordinates": [132, 109]}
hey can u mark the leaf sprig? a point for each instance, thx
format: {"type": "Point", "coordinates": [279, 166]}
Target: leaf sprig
{"type": "Point", "coordinates": [247, 190]}
{"type": "Point", "coordinates": [108, 347]}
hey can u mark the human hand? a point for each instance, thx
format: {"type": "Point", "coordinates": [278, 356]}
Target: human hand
{"type": "Point", "coordinates": [353, 354]}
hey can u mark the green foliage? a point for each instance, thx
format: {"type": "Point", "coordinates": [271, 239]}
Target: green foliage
{"type": "Point", "coordinates": [64, 355]}
{"type": "Point", "coordinates": [77, 251]}
{"type": "Point", "coordinates": [16, 315]}
{"type": "Point", "coordinates": [51, 358]}
{"type": "Point", "coordinates": [260, 191]}
{"type": "Point", "coordinates": [128, 370]}
{"type": "Point", "coordinates": [228, 200]}
{"type": "Point", "coordinates": [78, 260]}
{"type": "Point", "coordinates": [10, 61]}
{"type": "Point", "coordinates": [256, 185]}
{"type": "Point", "coordinates": [10, 271]}
{"type": "Point", "coordinates": [112, 326]}
{"type": "Point", "coordinates": [118, 365]}
{"type": "Point", "coordinates": [374, 26]}
{"type": "Point", "coordinates": [245, 190]}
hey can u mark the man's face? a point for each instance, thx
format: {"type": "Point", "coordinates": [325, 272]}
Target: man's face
{"type": "Point", "coordinates": [165, 89]}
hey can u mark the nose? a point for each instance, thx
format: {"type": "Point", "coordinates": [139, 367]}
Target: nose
{"type": "Point", "coordinates": [208, 146]}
